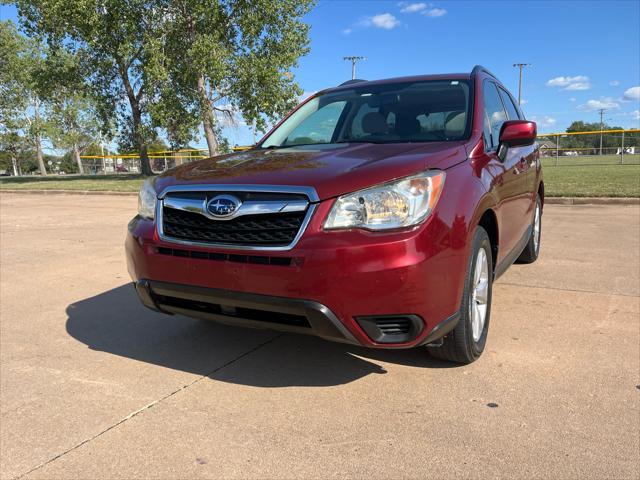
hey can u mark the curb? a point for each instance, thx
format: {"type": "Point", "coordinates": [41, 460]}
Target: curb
{"type": "Point", "coordinates": [592, 201]}
{"type": "Point", "coordinates": [547, 201]}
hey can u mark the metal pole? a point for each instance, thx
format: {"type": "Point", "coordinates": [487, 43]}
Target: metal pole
{"type": "Point", "coordinates": [557, 149]}
{"type": "Point", "coordinates": [520, 66]}
{"type": "Point", "coordinates": [602, 110]}
{"type": "Point", "coordinates": [104, 166]}
{"type": "Point", "coordinates": [622, 150]}
{"type": "Point", "coordinates": [353, 59]}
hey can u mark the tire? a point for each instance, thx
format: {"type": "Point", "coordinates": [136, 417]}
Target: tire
{"type": "Point", "coordinates": [462, 344]}
{"type": "Point", "coordinates": [532, 249]}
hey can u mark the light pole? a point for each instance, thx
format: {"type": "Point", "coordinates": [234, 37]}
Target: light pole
{"type": "Point", "coordinates": [520, 66]}
{"type": "Point", "coordinates": [601, 111]}
{"type": "Point", "coordinates": [353, 60]}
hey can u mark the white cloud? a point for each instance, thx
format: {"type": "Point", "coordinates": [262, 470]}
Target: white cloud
{"type": "Point", "coordinates": [412, 7]}
{"type": "Point", "coordinates": [604, 102]}
{"type": "Point", "coordinates": [347, 31]}
{"type": "Point", "coordinates": [632, 93]}
{"type": "Point", "coordinates": [636, 114]}
{"type": "Point", "coordinates": [382, 20]}
{"type": "Point", "coordinates": [578, 86]}
{"type": "Point", "coordinates": [524, 102]}
{"type": "Point", "coordinates": [435, 12]}
{"type": "Point", "coordinates": [614, 83]}
{"type": "Point", "coordinates": [572, 99]}
{"type": "Point", "coordinates": [544, 121]}
{"type": "Point", "coordinates": [579, 82]}
{"type": "Point", "coordinates": [385, 20]}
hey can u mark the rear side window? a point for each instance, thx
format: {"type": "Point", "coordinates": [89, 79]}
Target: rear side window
{"type": "Point", "coordinates": [494, 115]}
{"type": "Point", "coordinates": [512, 111]}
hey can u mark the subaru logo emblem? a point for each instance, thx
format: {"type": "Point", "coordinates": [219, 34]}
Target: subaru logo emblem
{"type": "Point", "coordinates": [222, 206]}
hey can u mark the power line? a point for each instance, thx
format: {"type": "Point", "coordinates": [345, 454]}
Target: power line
{"type": "Point", "coordinates": [520, 66]}
{"type": "Point", "coordinates": [353, 59]}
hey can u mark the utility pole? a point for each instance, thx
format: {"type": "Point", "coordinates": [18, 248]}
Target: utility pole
{"type": "Point", "coordinates": [353, 60]}
{"type": "Point", "coordinates": [520, 66]}
{"type": "Point", "coordinates": [601, 111]}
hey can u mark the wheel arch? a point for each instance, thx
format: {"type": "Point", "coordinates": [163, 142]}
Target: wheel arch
{"type": "Point", "coordinates": [489, 221]}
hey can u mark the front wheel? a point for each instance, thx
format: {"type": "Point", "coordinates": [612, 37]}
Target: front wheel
{"type": "Point", "coordinates": [465, 343]}
{"type": "Point", "coordinates": [532, 249]}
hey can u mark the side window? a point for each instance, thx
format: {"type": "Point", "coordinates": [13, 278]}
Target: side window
{"type": "Point", "coordinates": [317, 127]}
{"type": "Point", "coordinates": [512, 112]}
{"type": "Point", "coordinates": [494, 115]}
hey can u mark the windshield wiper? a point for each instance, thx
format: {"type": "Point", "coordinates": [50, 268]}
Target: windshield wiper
{"type": "Point", "coordinates": [274, 147]}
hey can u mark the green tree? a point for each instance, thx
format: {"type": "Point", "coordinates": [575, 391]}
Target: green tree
{"type": "Point", "coordinates": [590, 144]}
{"type": "Point", "coordinates": [22, 71]}
{"type": "Point", "coordinates": [226, 58]}
{"type": "Point", "coordinates": [116, 43]}
{"type": "Point", "coordinates": [73, 124]}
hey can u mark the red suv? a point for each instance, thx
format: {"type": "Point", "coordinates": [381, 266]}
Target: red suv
{"type": "Point", "coordinates": [377, 213]}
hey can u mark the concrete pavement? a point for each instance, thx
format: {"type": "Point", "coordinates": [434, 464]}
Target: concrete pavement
{"type": "Point", "coordinates": [92, 385]}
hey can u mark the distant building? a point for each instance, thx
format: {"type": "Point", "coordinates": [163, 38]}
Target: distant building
{"type": "Point", "coordinates": [547, 147]}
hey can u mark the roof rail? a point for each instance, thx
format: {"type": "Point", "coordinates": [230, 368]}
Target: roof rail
{"type": "Point", "coordinates": [479, 68]}
{"type": "Point", "coordinates": [353, 80]}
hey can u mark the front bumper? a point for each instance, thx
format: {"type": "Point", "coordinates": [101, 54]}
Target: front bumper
{"type": "Point", "coordinates": [244, 309]}
{"type": "Point", "coordinates": [335, 280]}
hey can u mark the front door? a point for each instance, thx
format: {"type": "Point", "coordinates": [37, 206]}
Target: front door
{"type": "Point", "coordinates": [510, 175]}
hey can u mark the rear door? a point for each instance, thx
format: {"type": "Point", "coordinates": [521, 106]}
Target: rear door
{"type": "Point", "coordinates": [510, 182]}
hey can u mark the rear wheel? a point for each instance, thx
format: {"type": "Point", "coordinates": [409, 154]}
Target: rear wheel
{"type": "Point", "coordinates": [532, 249]}
{"type": "Point", "coordinates": [466, 342]}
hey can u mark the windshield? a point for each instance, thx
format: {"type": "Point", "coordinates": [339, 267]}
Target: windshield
{"type": "Point", "coordinates": [430, 111]}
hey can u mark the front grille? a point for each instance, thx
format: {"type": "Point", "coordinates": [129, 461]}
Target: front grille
{"type": "Point", "coordinates": [278, 229]}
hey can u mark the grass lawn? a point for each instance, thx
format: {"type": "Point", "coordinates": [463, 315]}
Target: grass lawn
{"type": "Point", "coordinates": [561, 181]}
{"type": "Point", "coordinates": [591, 160]}
{"type": "Point", "coordinates": [592, 181]}
{"type": "Point", "coordinates": [112, 183]}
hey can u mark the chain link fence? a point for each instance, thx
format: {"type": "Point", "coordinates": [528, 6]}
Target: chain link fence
{"type": "Point", "coordinates": [606, 147]}
{"type": "Point", "coordinates": [130, 163]}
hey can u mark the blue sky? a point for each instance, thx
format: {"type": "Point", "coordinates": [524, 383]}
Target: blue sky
{"type": "Point", "coordinates": [585, 55]}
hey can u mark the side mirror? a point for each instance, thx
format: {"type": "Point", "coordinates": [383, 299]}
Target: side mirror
{"type": "Point", "coordinates": [516, 133]}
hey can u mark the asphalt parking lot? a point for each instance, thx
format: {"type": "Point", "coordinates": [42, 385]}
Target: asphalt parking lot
{"type": "Point", "coordinates": [93, 385]}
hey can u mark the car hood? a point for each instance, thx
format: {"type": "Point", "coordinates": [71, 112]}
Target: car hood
{"type": "Point", "coordinates": [332, 169]}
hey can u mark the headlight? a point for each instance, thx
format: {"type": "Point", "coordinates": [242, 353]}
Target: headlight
{"type": "Point", "coordinates": [147, 199]}
{"type": "Point", "coordinates": [398, 204]}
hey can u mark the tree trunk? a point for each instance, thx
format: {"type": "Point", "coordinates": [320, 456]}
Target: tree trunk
{"type": "Point", "coordinates": [136, 112]}
{"type": "Point", "coordinates": [208, 120]}
{"type": "Point", "coordinates": [145, 164]}
{"type": "Point", "coordinates": [14, 164]}
{"type": "Point", "coordinates": [76, 154]}
{"type": "Point", "coordinates": [38, 141]}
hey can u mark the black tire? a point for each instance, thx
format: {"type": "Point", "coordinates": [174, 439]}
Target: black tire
{"type": "Point", "coordinates": [532, 249]}
{"type": "Point", "coordinates": [459, 345]}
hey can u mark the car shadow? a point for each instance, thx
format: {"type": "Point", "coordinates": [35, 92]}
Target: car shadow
{"type": "Point", "coordinates": [115, 322]}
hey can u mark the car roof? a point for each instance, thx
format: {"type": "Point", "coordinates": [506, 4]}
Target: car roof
{"type": "Point", "coordinates": [388, 81]}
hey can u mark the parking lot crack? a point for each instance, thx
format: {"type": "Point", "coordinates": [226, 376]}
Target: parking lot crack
{"type": "Point", "coordinates": [575, 290]}
{"type": "Point", "coordinates": [149, 406]}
